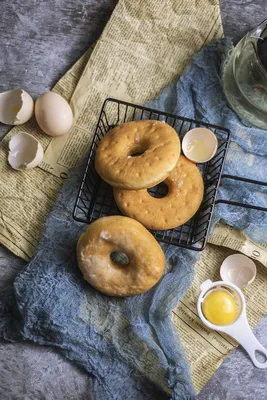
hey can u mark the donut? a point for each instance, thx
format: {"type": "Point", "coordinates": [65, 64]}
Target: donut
{"type": "Point", "coordinates": [117, 162]}
{"type": "Point", "coordinates": [185, 194]}
{"type": "Point", "coordinates": [120, 234]}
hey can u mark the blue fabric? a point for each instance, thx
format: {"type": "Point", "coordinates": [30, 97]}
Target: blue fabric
{"type": "Point", "coordinates": [128, 345]}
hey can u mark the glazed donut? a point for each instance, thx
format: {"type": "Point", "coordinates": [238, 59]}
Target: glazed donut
{"type": "Point", "coordinates": [125, 235]}
{"type": "Point", "coordinates": [158, 144]}
{"type": "Point", "coordinates": [185, 194]}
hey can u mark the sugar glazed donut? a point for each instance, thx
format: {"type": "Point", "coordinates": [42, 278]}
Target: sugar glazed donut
{"type": "Point", "coordinates": [185, 194]}
{"type": "Point", "coordinates": [157, 144]}
{"type": "Point", "coordinates": [125, 235]}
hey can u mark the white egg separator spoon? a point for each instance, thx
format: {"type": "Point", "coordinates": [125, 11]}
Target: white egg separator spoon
{"type": "Point", "coordinates": [239, 329]}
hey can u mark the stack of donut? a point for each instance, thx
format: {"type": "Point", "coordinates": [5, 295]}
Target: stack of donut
{"type": "Point", "coordinates": [159, 160]}
{"type": "Point", "coordinates": [134, 157]}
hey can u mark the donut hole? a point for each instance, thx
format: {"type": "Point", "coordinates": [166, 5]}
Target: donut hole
{"type": "Point", "coordinates": [136, 154]}
{"type": "Point", "coordinates": [159, 191]}
{"type": "Point", "coordinates": [119, 258]}
{"type": "Point", "coordinates": [138, 149]}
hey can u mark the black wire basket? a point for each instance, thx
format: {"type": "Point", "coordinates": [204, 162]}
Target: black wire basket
{"type": "Point", "coordinates": [95, 197]}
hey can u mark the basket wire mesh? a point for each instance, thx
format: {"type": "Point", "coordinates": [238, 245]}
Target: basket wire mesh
{"type": "Point", "coordinates": [95, 197]}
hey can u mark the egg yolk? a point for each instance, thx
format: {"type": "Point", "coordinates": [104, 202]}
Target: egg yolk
{"type": "Point", "coordinates": [219, 308]}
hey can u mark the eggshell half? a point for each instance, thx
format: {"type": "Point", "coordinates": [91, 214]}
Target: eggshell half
{"type": "Point", "coordinates": [239, 270]}
{"type": "Point", "coordinates": [25, 152]}
{"type": "Point", "coordinates": [16, 107]}
{"type": "Point", "coordinates": [53, 114]}
{"type": "Point", "coordinates": [199, 145]}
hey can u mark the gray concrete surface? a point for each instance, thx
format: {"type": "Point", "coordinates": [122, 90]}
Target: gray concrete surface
{"type": "Point", "coordinates": [39, 41]}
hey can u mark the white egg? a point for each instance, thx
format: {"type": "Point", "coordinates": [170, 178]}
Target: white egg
{"type": "Point", "coordinates": [25, 152]}
{"type": "Point", "coordinates": [53, 114]}
{"type": "Point", "coordinates": [16, 107]}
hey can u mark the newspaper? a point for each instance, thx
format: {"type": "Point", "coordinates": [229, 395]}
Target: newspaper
{"type": "Point", "coordinates": [206, 349]}
{"type": "Point", "coordinates": [143, 47]}
{"type": "Point", "coordinates": [224, 235]}
{"type": "Point", "coordinates": [133, 61]}
{"type": "Point", "coordinates": [26, 197]}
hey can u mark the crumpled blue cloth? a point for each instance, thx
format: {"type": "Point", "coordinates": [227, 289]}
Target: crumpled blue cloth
{"type": "Point", "coordinates": [128, 345]}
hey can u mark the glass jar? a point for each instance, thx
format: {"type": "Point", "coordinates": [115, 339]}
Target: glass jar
{"type": "Point", "coordinates": [245, 77]}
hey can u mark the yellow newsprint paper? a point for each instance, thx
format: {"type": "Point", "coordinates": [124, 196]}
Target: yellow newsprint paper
{"type": "Point", "coordinates": [144, 46]}
{"type": "Point", "coordinates": [205, 348]}
{"type": "Point", "coordinates": [26, 197]}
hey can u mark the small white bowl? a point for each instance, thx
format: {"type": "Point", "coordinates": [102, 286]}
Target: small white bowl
{"type": "Point", "coordinates": [199, 145]}
{"type": "Point", "coordinates": [239, 270]}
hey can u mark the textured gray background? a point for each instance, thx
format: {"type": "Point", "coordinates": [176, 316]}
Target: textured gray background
{"type": "Point", "coordinates": [39, 41]}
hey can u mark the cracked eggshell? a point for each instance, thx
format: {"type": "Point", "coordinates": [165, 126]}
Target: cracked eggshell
{"type": "Point", "coordinates": [239, 270]}
{"type": "Point", "coordinates": [53, 114]}
{"type": "Point", "coordinates": [16, 107]}
{"type": "Point", "coordinates": [25, 152]}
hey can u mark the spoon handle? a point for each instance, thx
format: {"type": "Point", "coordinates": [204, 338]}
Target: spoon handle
{"type": "Point", "coordinates": [244, 335]}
